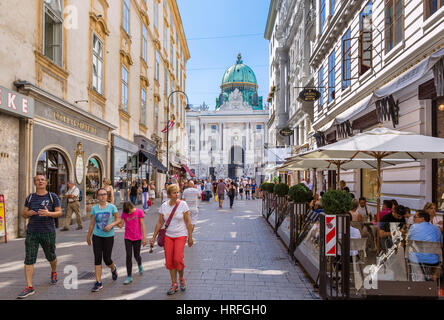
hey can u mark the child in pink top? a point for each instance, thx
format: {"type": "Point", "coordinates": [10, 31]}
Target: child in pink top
{"type": "Point", "coordinates": [135, 236]}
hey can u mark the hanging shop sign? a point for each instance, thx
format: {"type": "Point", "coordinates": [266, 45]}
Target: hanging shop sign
{"type": "Point", "coordinates": [15, 103]}
{"type": "Point", "coordinates": [309, 95]}
{"type": "Point", "coordinates": [79, 163]}
{"type": "Point", "coordinates": [286, 132]}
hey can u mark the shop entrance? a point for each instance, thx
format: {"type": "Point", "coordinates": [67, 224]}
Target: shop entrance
{"type": "Point", "coordinates": [52, 164]}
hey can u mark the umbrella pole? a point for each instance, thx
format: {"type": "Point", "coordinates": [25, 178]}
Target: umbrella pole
{"type": "Point", "coordinates": [315, 183]}
{"type": "Point", "coordinates": [378, 202]}
{"type": "Point", "coordinates": [338, 175]}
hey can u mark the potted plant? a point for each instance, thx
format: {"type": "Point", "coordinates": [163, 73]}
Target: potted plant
{"type": "Point", "coordinates": [300, 195]}
{"type": "Point", "coordinates": [336, 202]}
{"type": "Point", "coordinates": [281, 191]}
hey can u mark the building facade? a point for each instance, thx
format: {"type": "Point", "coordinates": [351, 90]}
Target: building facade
{"type": "Point", "coordinates": [378, 63]}
{"type": "Point", "coordinates": [229, 141]}
{"type": "Point", "coordinates": [93, 77]}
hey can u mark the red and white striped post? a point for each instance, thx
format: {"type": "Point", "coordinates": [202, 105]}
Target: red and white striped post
{"type": "Point", "coordinates": [330, 235]}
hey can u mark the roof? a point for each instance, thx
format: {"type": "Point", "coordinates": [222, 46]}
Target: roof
{"type": "Point", "coordinates": [239, 73]}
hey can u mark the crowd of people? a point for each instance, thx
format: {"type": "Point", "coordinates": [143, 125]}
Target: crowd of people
{"type": "Point", "coordinates": [418, 225]}
{"type": "Point", "coordinates": [178, 216]}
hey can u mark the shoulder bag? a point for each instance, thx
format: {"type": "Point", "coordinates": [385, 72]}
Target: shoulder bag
{"type": "Point", "coordinates": [162, 232]}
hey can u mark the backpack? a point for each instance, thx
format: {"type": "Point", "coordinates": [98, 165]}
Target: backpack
{"type": "Point", "coordinates": [50, 197]}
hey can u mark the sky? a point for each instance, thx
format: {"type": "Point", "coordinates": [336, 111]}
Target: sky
{"type": "Point", "coordinates": [216, 31]}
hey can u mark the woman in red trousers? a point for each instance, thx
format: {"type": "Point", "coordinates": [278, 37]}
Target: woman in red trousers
{"type": "Point", "coordinates": [176, 235]}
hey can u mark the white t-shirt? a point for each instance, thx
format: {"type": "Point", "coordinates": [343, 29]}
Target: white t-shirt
{"type": "Point", "coordinates": [165, 195]}
{"type": "Point", "coordinates": [75, 192]}
{"type": "Point", "coordinates": [191, 196]}
{"type": "Point", "coordinates": [362, 211]}
{"type": "Point", "coordinates": [177, 227]}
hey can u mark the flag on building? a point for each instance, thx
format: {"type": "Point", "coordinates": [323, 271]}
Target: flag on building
{"type": "Point", "coordinates": [170, 125]}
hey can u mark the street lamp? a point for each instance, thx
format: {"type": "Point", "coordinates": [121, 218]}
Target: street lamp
{"type": "Point", "coordinates": [168, 123]}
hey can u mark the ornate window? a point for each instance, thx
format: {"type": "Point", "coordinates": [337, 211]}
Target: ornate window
{"type": "Point", "coordinates": [126, 16]}
{"type": "Point", "coordinates": [144, 42]}
{"type": "Point", "coordinates": [431, 6]}
{"type": "Point", "coordinates": [143, 106]}
{"type": "Point", "coordinates": [331, 77]}
{"type": "Point", "coordinates": [53, 30]}
{"type": "Point", "coordinates": [97, 67]}
{"type": "Point", "coordinates": [156, 75]}
{"type": "Point", "coordinates": [156, 14]}
{"type": "Point", "coordinates": [321, 87]}
{"type": "Point", "coordinates": [166, 82]}
{"type": "Point", "coordinates": [322, 16]}
{"type": "Point", "coordinates": [346, 62]}
{"type": "Point", "coordinates": [394, 23]}
{"type": "Point", "coordinates": [365, 39]}
{"type": "Point", "coordinates": [332, 7]}
{"type": "Point", "coordinates": [124, 89]}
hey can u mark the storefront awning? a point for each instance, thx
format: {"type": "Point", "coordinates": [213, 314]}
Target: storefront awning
{"type": "Point", "coordinates": [189, 171]}
{"type": "Point", "coordinates": [153, 160]}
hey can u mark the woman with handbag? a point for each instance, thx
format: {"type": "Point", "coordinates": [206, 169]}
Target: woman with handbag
{"type": "Point", "coordinates": [175, 214]}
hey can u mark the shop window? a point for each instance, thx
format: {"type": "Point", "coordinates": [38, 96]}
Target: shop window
{"type": "Point", "coordinates": [369, 184]}
{"type": "Point", "coordinates": [438, 165]}
{"type": "Point", "coordinates": [431, 6]}
{"type": "Point", "coordinates": [93, 180]}
{"type": "Point", "coordinates": [394, 23]}
{"type": "Point", "coordinates": [52, 164]}
{"type": "Point", "coordinates": [53, 30]}
{"type": "Point", "coordinates": [122, 176]}
{"type": "Point", "coordinates": [365, 39]}
{"type": "Point", "coordinates": [97, 60]}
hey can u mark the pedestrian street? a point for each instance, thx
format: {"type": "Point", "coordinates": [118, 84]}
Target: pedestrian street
{"type": "Point", "coordinates": [235, 256]}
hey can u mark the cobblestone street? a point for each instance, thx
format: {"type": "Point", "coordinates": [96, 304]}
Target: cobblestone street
{"type": "Point", "coordinates": [236, 256]}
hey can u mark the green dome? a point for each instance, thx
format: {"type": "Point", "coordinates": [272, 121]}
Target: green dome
{"type": "Point", "coordinates": [239, 73]}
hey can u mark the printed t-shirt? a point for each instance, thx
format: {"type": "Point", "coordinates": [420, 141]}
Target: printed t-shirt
{"type": "Point", "coordinates": [133, 229]}
{"type": "Point", "coordinates": [177, 227]}
{"type": "Point", "coordinates": [37, 223]}
{"type": "Point", "coordinates": [103, 218]}
{"type": "Point", "coordinates": [191, 196]}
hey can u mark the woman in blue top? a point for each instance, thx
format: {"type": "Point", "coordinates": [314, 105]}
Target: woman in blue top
{"type": "Point", "coordinates": [104, 217]}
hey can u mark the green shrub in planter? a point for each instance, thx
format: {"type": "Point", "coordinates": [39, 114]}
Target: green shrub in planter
{"type": "Point", "coordinates": [281, 189]}
{"type": "Point", "coordinates": [336, 202]}
{"type": "Point", "coordinates": [268, 187]}
{"type": "Point", "coordinates": [300, 193]}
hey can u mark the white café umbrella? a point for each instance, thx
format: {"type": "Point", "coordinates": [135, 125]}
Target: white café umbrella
{"type": "Point", "coordinates": [382, 144]}
{"type": "Point", "coordinates": [300, 163]}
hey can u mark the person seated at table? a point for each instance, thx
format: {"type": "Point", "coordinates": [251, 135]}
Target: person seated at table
{"type": "Point", "coordinates": [363, 209]}
{"type": "Point", "coordinates": [386, 208]}
{"type": "Point", "coordinates": [397, 217]}
{"type": "Point", "coordinates": [423, 230]}
{"type": "Point", "coordinates": [430, 208]}
{"type": "Point", "coordinates": [394, 204]}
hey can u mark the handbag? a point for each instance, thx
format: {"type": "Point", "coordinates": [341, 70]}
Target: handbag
{"type": "Point", "coordinates": [162, 232]}
{"type": "Point", "coordinates": [149, 203]}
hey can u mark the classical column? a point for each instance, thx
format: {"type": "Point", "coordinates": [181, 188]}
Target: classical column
{"type": "Point", "coordinates": [282, 112]}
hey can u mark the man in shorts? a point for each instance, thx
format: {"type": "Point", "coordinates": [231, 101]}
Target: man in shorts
{"type": "Point", "coordinates": [253, 190]}
{"type": "Point", "coordinates": [220, 190]}
{"type": "Point", "coordinates": [192, 195]}
{"type": "Point", "coordinates": [42, 208]}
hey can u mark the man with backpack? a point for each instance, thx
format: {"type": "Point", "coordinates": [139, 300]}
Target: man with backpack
{"type": "Point", "coordinates": [73, 197]}
{"type": "Point", "coordinates": [42, 208]}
